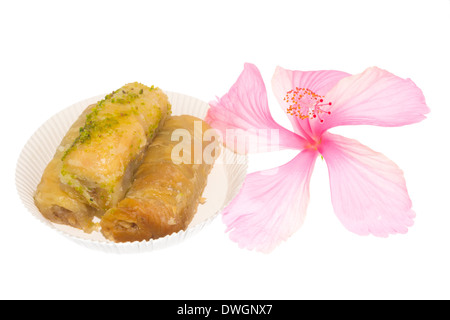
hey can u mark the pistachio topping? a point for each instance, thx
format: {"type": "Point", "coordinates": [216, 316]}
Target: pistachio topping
{"type": "Point", "coordinates": [98, 124]}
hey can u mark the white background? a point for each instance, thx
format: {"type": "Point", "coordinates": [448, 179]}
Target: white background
{"type": "Point", "coordinates": [56, 53]}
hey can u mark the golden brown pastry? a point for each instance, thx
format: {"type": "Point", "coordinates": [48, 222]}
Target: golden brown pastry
{"type": "Point", "coordinates": [58, 205]}
{"type": "Point", "coordinates": [168, 185]}
{"type": "Point", "coordinates": [101, 161]}
{"type": "Point", "coordinates": [94, 165]}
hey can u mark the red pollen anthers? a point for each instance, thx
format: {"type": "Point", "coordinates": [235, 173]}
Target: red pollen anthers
{"type": "Point", "coordinates": [304, 103]}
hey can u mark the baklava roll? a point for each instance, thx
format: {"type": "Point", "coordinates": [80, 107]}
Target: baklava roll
{"type": "Point", "coordinates": [58, 205]}
{"type": "Point", "coordinates": [100, 163]}
{"type": "Point", "coordinates": [168, 186]}
{"type": "Point", "coordinates": [94, 164]}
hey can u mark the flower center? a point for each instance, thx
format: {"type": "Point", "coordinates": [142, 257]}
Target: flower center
{"type": "Point", "coordinates": [304, 103]}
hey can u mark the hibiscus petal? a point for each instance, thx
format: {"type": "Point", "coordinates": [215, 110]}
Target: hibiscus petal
{"type": "Point", "coordinates": [271, 205]}
{"type": "Point", "coordinates": [320, 82]}
{"type": "Point", "coordinates": [243, 115]}
{"type": "Point", "coordinates": [374, 97]}
{"type": "Point", "coordinates": [368, 190]}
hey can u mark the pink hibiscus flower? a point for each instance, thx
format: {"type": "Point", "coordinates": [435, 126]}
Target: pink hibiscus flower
{"type": "Point", "coordinates": [368, 190]}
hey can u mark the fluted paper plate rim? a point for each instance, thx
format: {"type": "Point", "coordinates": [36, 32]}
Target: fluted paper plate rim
{"type": "Point", "coordinates": [26, 190]}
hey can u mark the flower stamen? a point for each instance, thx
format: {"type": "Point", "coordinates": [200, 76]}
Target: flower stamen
{"type": "Point", "coordinates": [304, 103]}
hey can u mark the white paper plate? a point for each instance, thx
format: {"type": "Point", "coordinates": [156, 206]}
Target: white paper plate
{"type": "Point", "coordinates": [224, 182]}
